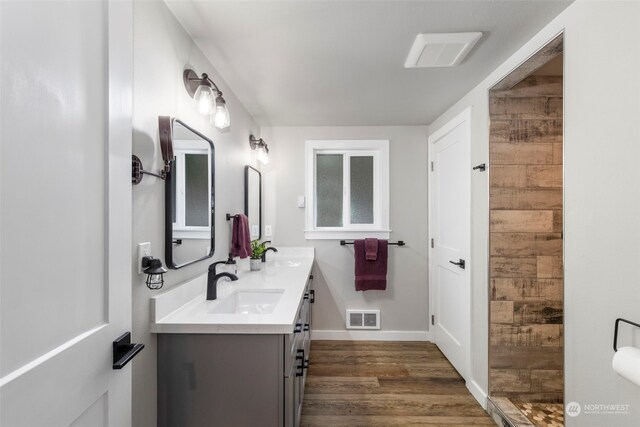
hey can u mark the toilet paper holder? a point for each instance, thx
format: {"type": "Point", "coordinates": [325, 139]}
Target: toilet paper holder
{"type": "Point", "coordinates": [615, 333]}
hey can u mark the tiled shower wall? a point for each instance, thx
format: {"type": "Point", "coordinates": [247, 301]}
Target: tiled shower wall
{"type": "Point", "coordinates": [526, 264]}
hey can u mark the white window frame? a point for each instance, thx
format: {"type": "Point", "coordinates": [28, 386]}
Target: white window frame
{"type": "Point", "coordinates": [379, 149]}
{"type": "Point", "coordinates": [180, 229]}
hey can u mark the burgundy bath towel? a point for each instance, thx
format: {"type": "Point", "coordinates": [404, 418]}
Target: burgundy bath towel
{"type": "Point", "coordinates": [240, 239]}
{"type": "Point", "coordinates": [371, 274]}
{"type": "Point", "coordinates": [371, 249]}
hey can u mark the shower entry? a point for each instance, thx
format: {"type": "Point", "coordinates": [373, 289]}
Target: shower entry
{"type": "Point", "coordinates": [526, 285]}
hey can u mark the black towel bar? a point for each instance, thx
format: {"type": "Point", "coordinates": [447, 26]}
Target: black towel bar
{"type": "Point", "coordinates": [398, 243]}
{"type": "Point", "coordinates": [229, 216]}
{"type": "Point", "coordinates": [615, 332]}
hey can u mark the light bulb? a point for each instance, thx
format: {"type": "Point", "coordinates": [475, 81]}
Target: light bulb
{"type": "Point", "coordinates": [205, 100]}
{"type": "Point", "coordinates": [263, 157]}
{"type": "Point", "coordinates": [221, 114]}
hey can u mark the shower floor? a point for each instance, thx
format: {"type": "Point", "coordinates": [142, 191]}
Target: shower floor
{"type": "Point", "coordinates": [543, 414]}
{"type": "Point", "coordinates": [525, 414]}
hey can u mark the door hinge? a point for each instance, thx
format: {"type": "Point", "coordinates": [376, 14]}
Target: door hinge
{"type": "Point", "coordinates": [431, 166]}
{"type": "Point", "coordinates": [433, 319]}
{"type": "Point", "coordinates": [432, 244]}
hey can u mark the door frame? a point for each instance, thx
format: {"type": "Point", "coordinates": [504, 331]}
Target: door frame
{"type": "Point", "coordinates": [458, 119]}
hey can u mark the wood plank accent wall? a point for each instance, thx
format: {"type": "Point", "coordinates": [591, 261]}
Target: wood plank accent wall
{"type": "Point", "coordinates": [525, 259]}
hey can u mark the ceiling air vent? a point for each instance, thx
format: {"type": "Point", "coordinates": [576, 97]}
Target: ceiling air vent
{"type": "Point", "coordinates": [440, 50]}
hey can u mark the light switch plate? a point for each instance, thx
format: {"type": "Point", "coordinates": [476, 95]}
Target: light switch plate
{"type": "Point", "coordinates": [301, 201]}
{"type": "Point", "coordinates": [144, 249]}
{"type": "Point", "coordinates": [267, 231]}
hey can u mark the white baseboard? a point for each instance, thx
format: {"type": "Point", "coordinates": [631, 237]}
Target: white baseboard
{"type": "Point", "coordinates": [351, 335]}
{"type": "Point", "coordinates": [478, 393]}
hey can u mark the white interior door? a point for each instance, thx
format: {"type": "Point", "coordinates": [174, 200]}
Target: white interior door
{"type": "Point", "coordinates": [450, 224]}
{"type": "Point", "coordinates": [65, 212]}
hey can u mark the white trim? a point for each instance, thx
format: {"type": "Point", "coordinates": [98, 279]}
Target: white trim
{"type": "Point", "coordinates": [192, 233]}
{"type": "Point", "coordinates": [345, 234]}
{"type": "Point", "coordinates": [477, 392]}
{"type": "Point", "coordinates": [460, 118]}
{"type": "Point", "coordinates": [463, 116]}
{"type": "Point", "coordinates": [379, 149]}
{"type": "Point", "coordinates": [371, 335]}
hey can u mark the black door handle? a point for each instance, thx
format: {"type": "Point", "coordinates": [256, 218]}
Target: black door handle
{"type": "Point", "coordinates": [460, 263]}
{"type": "Point", "coordinates": [124, 350]}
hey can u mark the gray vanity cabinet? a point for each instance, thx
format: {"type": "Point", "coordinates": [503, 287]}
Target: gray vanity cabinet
{"type": "Point", "coordinates": [234, 379]}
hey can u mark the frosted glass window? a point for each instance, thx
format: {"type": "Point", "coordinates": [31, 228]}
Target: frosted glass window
{"type": "Point", "coordinates": [329, 182]}
{"type": "Point", "coordinates": [347, 189]}
{"type": "Point", "coordinates": [196, 191]}
{"type": "Point", "coordinates": [361, 189]}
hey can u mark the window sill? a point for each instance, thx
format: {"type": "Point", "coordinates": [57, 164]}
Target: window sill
{"type": "Point", "coordinates": [345, 234]}
{"type": "Point", "coordinates": [191, 234]}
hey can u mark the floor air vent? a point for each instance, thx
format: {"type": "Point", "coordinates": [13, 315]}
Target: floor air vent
{"type": "Point", "coordinates": [363, 319]}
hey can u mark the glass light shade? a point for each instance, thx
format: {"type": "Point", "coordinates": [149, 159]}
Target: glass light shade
{"type": "Point", "coordinates": [263, 157]}
{"type": "Point", "coordinates": [155, 281]}
{"type": "Point", "coordinates": [221, 114]}
{"type": "Point", "coordinates": [205, 99]}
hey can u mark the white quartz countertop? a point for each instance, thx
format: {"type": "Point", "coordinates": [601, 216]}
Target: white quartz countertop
{"type": "Point", "coordinates": [184, 309]}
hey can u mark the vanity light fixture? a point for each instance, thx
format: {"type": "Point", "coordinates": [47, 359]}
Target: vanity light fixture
{"type": "Point", "coordinates": [208, 96]}
{"type": "Point", "coordinates": [262, 147]}
{"type": "Point", "coordinates": [155, 272]}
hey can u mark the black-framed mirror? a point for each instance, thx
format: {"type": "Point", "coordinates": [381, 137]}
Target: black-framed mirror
{"type": "Point", "coordinates": [253, 201]}
{"type": "Point", "coordinates": [189, 194]}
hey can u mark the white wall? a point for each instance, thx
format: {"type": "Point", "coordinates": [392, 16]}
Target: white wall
{"type": "Point", "coordinates": [404, 305]}
{"type": "Point", "coordinates": [602, 207]}
{"type": "Point", "coordinates": [162, 49]}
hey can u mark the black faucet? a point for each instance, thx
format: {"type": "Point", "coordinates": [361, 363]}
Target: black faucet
{"type": "Point", "coordinates": [214, 267]}
{"type": "Point", "coordinates": [264, 254]}
{"type": "Point", "coordinates": [212, 281]}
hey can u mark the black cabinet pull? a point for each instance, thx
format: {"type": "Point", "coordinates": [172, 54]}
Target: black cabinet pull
{"type": "Point", "coordinates": [460, 263]}
{"type": "Point", "coordinates": [298, 328]}
{"type": "Point", "coordinates": [300, 367]}
{"type": "Point", "coordinates": [124, 350]}
{"type": "Point", "coordinates": [313, 296]}
{"type": "Point", "coordinates": [306, 296]}
{"type": "Point", "coordinates": [306, 327]}
{"type": "Point", "coordinates": [306, 364]}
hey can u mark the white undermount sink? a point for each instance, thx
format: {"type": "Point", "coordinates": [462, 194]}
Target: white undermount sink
{"type": "Point", "coordinates": [247, 301]}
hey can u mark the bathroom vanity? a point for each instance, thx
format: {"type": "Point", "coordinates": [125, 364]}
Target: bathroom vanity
{"type": "Point", "coordinates": [239, 360]}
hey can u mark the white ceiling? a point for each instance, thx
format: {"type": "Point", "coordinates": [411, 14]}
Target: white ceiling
{"type": "Point", "coordinates": [330, 63]}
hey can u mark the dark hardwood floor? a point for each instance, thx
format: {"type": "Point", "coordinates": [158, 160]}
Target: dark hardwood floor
{"type": "Point", "coordinates": [373, 383]}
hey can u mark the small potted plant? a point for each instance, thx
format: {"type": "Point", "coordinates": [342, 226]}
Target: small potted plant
{"type": "Point", "coordinates": [257, 249]}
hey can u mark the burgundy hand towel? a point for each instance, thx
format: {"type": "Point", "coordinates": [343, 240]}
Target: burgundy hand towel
{"type": "Point", "coordinates": [370, 275]}
{"type": "Point", "coordinates": [240, 239]}
{"type": "Point", "coordinates": [371, 249]}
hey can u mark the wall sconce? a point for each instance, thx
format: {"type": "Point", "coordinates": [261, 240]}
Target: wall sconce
{"type": "Point", "coordinates": [165, 130]}
{"type": "Point", "coordinates": [262, 147]}
{"type": "Point", "coordinates": [208, 96]}
{"type": "Point", "coordinates": [155, 272]}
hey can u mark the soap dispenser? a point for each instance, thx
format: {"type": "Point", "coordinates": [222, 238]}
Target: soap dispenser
{"type": "Point", "coordinates": [229, 266]}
